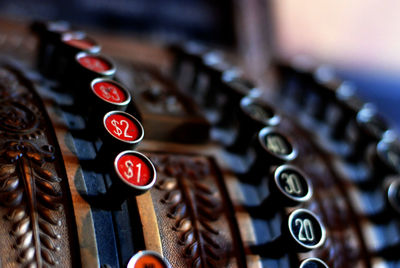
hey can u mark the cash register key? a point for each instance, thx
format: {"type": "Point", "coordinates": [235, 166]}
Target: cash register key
{"type": "Point", "coordinates": [121, 131]}
{"type": "Point", "coordinates": [135, 174]}
{"type": "Point", "coordinates": [276, 146]}
{"type": "Point", "coordinates": [49, 35]}
{"type": "Point", "coordinates": [104, 95]}
{"type": "Point", "coordinates": [387, 160]}
{"type": "Point", "coordinates": [80, 42]}
{"type": "Point", "coordinates": [382, 159]}
{"type": "Point", "coordinates": [88, 67]}
{"type": "Point", "coordinates": [135, 170]}
{"type": "Point", "coordinates": [109, 95]}
{"type": "Point", "coordinates": [194, 55]}
{"type": "Point", "coordinates": [260, 113]}
{"type": "Point", "coordinates": [124, 128]}
{"type": "Point", "coordinates": [289, 186]}
{"type": "Point", "coordinates": [326, 84]}
{"type": "Point", "coordinates": [187, 64]}
{"type": "Point", "coordinates": [148, 259]}
{"type": "Point", "coordinates": [313, 263]}
{"type": "Point", "coordinates": [370, 129]}
{"type": "Point", "coordinates": [69, 45]}
{"type": "Point", "coordinates": [131, 173]}
{"type": "Point", "coordinates": [305, 230]}
{"type": "Point", "coordinates": [235, 79]}
{"type": "Point", "coordinates": [215, 63]}
{"type": "Point", "coordinates": [393, 195]}
{"type": "Point", "coordinates": [302, 231]}
{"type": "Point", "coordinates": [253, 115]}
{"type": "Point", "coordinates": [57, 27]}
{"type": "Point", "coordinates": [371, 122]}
{"type": "Point", "coordinates": [272, 148]}
{"type": "Point", "coordinates": [348, 105]}
{"type": "Point", "coordinates": [347, 97]}
{"type": "Point", "coordinates": [98, 65]}
{"type": "Point", "coordinates": [303, 68]}
{"type": "Point", "coordinates": [234, 86]}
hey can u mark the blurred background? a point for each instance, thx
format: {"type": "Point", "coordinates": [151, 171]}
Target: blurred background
{"type": "Point", "coordinates": [361, 38]}
{"type": "Point", "coordinates": [204, 20]}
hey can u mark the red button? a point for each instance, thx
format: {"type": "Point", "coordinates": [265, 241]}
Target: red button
{"type": "Point", "coordinates": [134, 169]}
{"type": "Point", "coordinates": [148, 259]}
{"type": "Point", "coordinates": [122, 127]}
{"type": "Point", "coordinates": [83, 44]}
{"type": "Point", "coordinates": [95, 63]}
{"type": "Point", "coordinates": [110, 92]}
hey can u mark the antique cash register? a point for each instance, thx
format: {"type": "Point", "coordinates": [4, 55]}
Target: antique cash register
{"type": "Point", "coordinates": [124, 152]}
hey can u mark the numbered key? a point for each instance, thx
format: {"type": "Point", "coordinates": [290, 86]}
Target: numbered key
{"type": "Point", "coordinates": [121, 131]}
{"type": "Point", "coordinates": [236, 83]}
{"type": "Point", "coordinates": [305, 230]}
{"type": "Point", "coordinates": [347, 105]}
{"type": "Point", "coordinates": [387, 207]}
{"type": "Point", "coordinates": [369, 128]}
{"type": "Point", "coordinates": [234, 87]}
{"type": "Point", "coordinates": [302, 231]}
{"type": "Point", "coordinates": [70, 45]}
{"type": "Point", "coordinates": [215, 63]}
{"type": "Point", "coordinates": [111, 92]}
{"type": "Point", "coordinates": [389, 154]}
{"type": "Point", "coordinates": [313, 263]}
{"type": "Point", "coordinates": [135, 170]}
{"type": "Point", "coordinates": [253, 115]}
{"type": "Point", "coordinates": [384, 160]}
{"type": "Point", "coordinates": [49, 35]}
{"type": "Point", "coordinates": [74, 43]}
{"type": "Point", "coordinates": [106, 95]}
{"type": "Point", "coordinates": [148, 259]}
{"type": "Point", "coordinates": [289, 187]}
{"type": "Point", "coordinates": [88, 67]}
{"type": "Point", "coordinates": [124, 127]}
{"type": "Point", "coordinates": [272, 148]}
{"type": "Point", "coordinates": [187, 64]}
{"type": "Point", "coordinates": [276, 145]}
{"type": "Point", "coordinates": [97, 65]}
{"type": "Point", "coordinates": [132, 174]}
{"type": "Point", "coordinates": [326, 84]}
{"type": "Point", "coordinates": [371, 122]}
{"type": "Point", "coordinates": [393, 195]}
{"type": "Point", "coordinates": [296, 78]}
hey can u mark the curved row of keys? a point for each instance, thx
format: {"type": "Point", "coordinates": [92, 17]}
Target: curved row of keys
{"type": "Point", "coordinates": [73, 59]}
{"type": "Point", "coordinates": [324, 97]}
{"type": "Point", "coordinates": [258, 130]}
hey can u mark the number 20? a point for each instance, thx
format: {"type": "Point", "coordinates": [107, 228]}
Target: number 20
{"type": "Point", "coordinates": [306, 232]}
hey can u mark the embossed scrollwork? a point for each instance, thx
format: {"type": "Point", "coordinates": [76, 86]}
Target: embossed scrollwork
{"type": "Point", "coordinates": [30, 188]}
{"type": "Point", "coordinates": [29, 191]}
{"type": "Point", "coordinates": [16, 118]}
{"type": "Point", "coordinates": [193, 204]}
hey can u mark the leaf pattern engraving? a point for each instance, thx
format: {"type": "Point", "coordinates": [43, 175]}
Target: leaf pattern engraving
{"type": "Point", "coordinates": [194, 205]}
{"type": "Point", "coordinates": [28, 189]}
